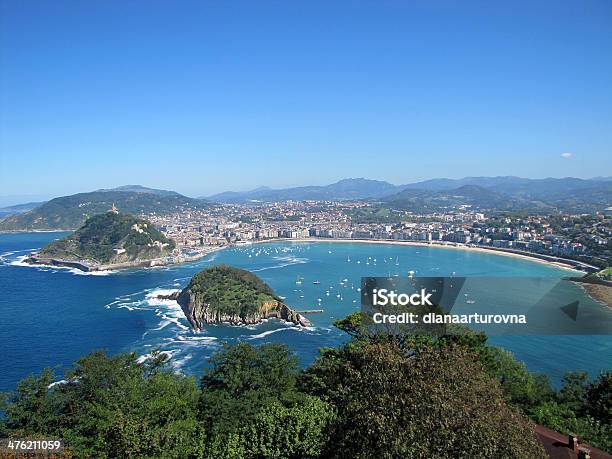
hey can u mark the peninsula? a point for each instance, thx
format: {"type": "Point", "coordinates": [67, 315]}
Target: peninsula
{"type": "Point", "coordinates": [224, 294]}
{"type": "Point", "coordinates": [112, 240]}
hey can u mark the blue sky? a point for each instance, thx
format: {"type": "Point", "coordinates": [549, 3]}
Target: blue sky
{"type": "Point", "coordinates": [203, 96]}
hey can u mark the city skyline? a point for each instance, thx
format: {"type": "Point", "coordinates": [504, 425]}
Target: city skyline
{"type": "Point", "coordinates": [205, 98]}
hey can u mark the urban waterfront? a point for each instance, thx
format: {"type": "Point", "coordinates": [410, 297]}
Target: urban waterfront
{"type": "Point", "coordinates": [52, 316]}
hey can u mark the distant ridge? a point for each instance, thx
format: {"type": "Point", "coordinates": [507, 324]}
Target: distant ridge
{"type": "Point", "coordinates": [141, 189]}
{"type": "Point", "coordinates": [70, 212]}
{"type": "Point", "coordinates": [504, 193]}
{"type": "Point", "coordinates": [354, 188]}
{"type": "Point", "coordinates": [500, 193]}
{"type": "Point", "coordinates": [18, 208]}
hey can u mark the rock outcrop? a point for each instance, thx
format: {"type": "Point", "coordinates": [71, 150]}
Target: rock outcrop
{"type": "Point", "coordinates": [222, 294]}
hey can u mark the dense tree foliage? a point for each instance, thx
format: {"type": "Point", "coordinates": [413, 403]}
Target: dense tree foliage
{"type": "Point", "coordinates": [417, 396]}
{"type": "Point", "coordinates": [230, 290]}
{"type": "Point", "coordinates": [101, 234]}
{"type": "Point", "coordinates": [435, 401]}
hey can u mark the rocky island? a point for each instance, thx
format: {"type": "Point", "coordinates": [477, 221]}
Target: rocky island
{"type": "Point", "coordinates": [112, 240]}
{"type": "Point", "coordinates": [224, 294]}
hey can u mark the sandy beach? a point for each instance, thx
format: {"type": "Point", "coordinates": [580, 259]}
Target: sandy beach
{"type": "Point", "coordinates": [600, 293]}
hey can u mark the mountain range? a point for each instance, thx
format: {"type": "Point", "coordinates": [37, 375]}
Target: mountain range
{"type": "Point", "coordinates": [548, 195]}
{"type": "Point", "coordinates": [142, 189]}
{"type": "Point", "coordinates": [358, 188]}
{"type": "Point", "coordinates": [18, 208]}
{"type": "Point", "coordinates": [499, 193]}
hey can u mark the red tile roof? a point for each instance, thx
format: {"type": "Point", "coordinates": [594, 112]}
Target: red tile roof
{"type": "Point", "coordinates": [557, 445]}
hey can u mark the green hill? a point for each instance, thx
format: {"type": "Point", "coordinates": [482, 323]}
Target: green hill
{"type": "Point", "coordinates": [226, 294]}
{"type": "Point", "coordinates": [110, 238]}
{"type": "Point", "coordinates": [70, 212]}
{"type": "Point", "coordinates": [470, 195]}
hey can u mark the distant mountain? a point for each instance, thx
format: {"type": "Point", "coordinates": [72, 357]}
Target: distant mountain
{"type": "Point", "coordinates": [70, 212]}
{"type": "Point", "coordinates": [476, 197]}
{"type": "Point", "coordinates": [514, 186]}
{"type": "Point", "coordinates": [358, 188]}
{"type": "Point", "coordinates": [549, 194]}
{"type": "Point", "coordinates": [498, 193]}
{"type": "Point", "coordinates": [18, 208]}
{"type": "Point", "coordinates": [142, 189]}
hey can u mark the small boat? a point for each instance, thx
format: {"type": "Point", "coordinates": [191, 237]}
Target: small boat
{"type": "Point", "coordinates": [470, 301]}
{"type": "Point", "coordinates": [316, 282]}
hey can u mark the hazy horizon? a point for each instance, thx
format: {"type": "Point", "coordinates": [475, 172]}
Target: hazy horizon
{"type": "Point", "coordinates": [204, 97]}
{"type": "Point", "coordinates": [23, 198]}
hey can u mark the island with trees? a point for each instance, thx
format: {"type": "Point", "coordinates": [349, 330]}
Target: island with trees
{"type": "Point", "coordinates": [224, 294]}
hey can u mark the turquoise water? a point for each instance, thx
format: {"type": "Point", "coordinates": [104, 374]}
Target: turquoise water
{"type": "Point", "coordinates": [51, 316]}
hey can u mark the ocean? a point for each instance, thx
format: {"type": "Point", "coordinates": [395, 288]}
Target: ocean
{"type": "Point", "coordinates": [49, 317]}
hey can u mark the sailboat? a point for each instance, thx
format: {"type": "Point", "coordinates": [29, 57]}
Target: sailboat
{"type": "Point", "coordinates": [298, 281]}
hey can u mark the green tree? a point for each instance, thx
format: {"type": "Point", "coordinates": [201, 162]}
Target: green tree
{"type": "Point", "coordinates": [599, 398]}
{"type": "Point", "coordinates": [573, 393]}
{"type": "Point", "coordinates": [521, 388]}
{"type": "Point", "coordinates": [242, 380]}
{"type": "Point", "coordinates": [251, 406]}
{"type": "Point", "coordinates": [433, 401]}
{"type": "Point", "coordinates": [298, 431]}
{"type": "Point", "coordinates": [111, 407]}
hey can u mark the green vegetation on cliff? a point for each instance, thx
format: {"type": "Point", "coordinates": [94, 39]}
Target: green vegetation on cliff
{"type": "Point", "coordinates": [229, 291]}
{"type": "Point", "coordinates": [111, 238]}
{"type": "Point", "coordinates": [70, 212]}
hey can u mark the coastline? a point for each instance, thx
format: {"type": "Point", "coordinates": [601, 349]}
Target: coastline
{"type": "Point", "coordinates": [568, 265]}
{"type": "Point", "coordinates": [598, 289]}
{"type": "Point", "coordinates": [600, 293]}
{"type": "Point", "coordinates": [139, 264]}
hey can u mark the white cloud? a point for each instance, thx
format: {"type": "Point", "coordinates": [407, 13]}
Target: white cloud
{"type": "Point", "coordinates": [567, 155]}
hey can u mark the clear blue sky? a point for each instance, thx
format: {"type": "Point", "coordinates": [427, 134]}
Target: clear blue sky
{"type": "Point", "coordinates": [203, 96]}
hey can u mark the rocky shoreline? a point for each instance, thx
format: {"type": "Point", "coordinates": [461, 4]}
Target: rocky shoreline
{"type": "Point", "coordinates": [199, 316]}
{"type": "Point", "coordinates": [33, 259]}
